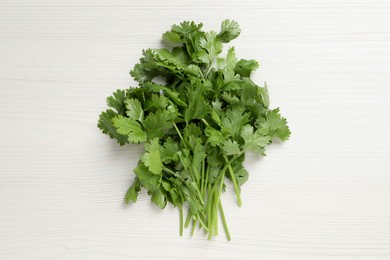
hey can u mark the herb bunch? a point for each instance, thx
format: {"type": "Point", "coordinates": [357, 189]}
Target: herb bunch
{"type": "Point", "coordinates": [196, 126]}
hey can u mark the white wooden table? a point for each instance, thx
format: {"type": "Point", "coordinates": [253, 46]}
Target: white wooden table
{"type": "Point", "coordinates": [325, 194]}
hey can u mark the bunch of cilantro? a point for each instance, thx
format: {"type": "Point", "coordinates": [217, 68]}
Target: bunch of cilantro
{"type": "Point", "coordinates": [196, 126]}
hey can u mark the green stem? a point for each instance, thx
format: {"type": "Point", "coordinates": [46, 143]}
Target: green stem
{"type": "Point", "coordinates": [215, 215]}
{"type": "Point", "coordinates": [205, 122]}
{"type": "Point", "coordinates": [200, 196]}
{"type": "Point", "coordinates": [213, 200]}
{"type": "Point", "coordinates": [202, 178]}
{"type": "Point", "coordinates": [181, 137]}
{"type": "Point", "coordinates": [209, 212]}
{"type": "Point", "coordinates": [197, 175]}
{"type": "Point", "coordinates": [196, 194]}
{"type": "Point", "coordinates": [181, 220]}
{"type": "Point", "coordinates": [194, 222]}
{"type": "Point", "coordinates": [208, 69]}
{"type": "Point", "coordinates": [174, 174]}
{"type": "Point", "coordinates": [188, 219]}
{"type": "Point", "coordinates": [169, 171]}
{"type": "Point", "coordinates": [218, 200]}
{"type": "Point", "coordinates": [178, 132]}
{"type": "Point", "coordinates": [224, 221]}
{"type": "Point", "coordinates": [236, 188]}
{"type": "Point", "coordinates": [202, 223]}
{"type": "Point", "coordinates": [206, 182]}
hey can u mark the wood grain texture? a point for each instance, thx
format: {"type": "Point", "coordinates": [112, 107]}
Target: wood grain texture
{"type": "Point", "coordinates": [325, 194]}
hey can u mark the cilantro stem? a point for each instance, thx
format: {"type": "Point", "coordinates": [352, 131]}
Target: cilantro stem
{"type": "Point", "coordinates": [218, 200]}
{"type": "Point", "coordinates": [178, 176]}
{"type": "Point", "coordinates": [169, 171]}
{"type": "Point", "coordinates": [194, 223]}
{"type": "Point", "coordinates": [188, 219]}
{"type": "Point", "coordinates": [202, 223]}
{"type": "Point", "coordinates": [214, 199]}
{"type": "Point", "coordinates": [208, 210]}
{"type": "Point", "coordinates": [236, 189]}
{"type": "Point", "coordinates": [197, 194]}
{"type": "Point", "coordinates": [205, 122]}
{"type": "Point", "coordinates": [224, 221]}
{"type": "Point", "coordinates": [180, 135]}
{"type": "Point", "coordinates": [202, 178]}
{"type": "Point", "coordinates": [197, 175]}
{"type": "Point", "coordinates": [215, 215]}
{"type": "Point", "coordinates": [181, 220]}
{"type": "Point", "coordinates": [216, 220]}
{"type": "Point", "coordinates": [208, 69]}
{"type": "Point", "coordinates": [200, 196]}
{"type": "Point", "coordinates": [178, 132]}
{"type": "Point", "coordinates": [205, 186]}
{"type": "Point", "coordinates": [214, 204]}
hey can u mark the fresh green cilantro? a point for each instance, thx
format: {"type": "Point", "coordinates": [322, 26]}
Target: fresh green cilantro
{"type": "Point", "coordinates": [106, 124]}
{"type": "Point", "coordinates": [231, 148]}
{"type": "Point", "coordinates": [132, 192]}
{"type": "Point", "coordinates": [245, 67]}
{"type": "Point", "coordinates": [116, 101]}
{"type": "Point", "coordinates": [215, 137]}
{"type": "Point", "coordinates": [151, 157]}
{"type": "Point", "coordinates": [197, 126]}
{"type": "Point", "coordinates": [129, 127]}
{"type": "Point", "coordinates": [134, 109]}
{"type": "Point", "coordinates": [229, 31]}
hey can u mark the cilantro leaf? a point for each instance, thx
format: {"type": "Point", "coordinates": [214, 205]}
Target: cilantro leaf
{"type": "Point", "coordinates": [151, 158]}
{"type": "Point", "coordinates": [131, 128]}
{"type": "Point", "coordinates": [229, 31]}
{"type": "Point", "coordinates": [231, 147]}
{"type": "Point", "coordinates": [149, 180]}
{"type": "Point", "coordinates": [233, 120]}
{"type": "Point", "coordinates": [230, 98]}
{"type": "Point", "coordinates": [169, 151]}
{"type": "Point", "coordinates": [227, 67]}
{"type": "Point", "coordinates": [217, 106]}
{"type": "Point", "coordinates": [212, 47]}
{"type": "Point", "coordinates": [246, 67]}
{"type": "Point", "coordinates": [240, 172]}
{"type": "Point", "coordinates": [214, 137]}
{"type": "Point", "coordinates": [199, 154]}
{"type": "Point", "coordinates": [254, 142]}
{"type": "Point", "coordinates": [107, 126]}
{"type": "Point", "coordinates": [186, 27]}
{"type": "Point", "coordinates": [215, 117]}
{"type": "Point", "coordinates": [132, 192]}
{"type": "Point", "coordinates": [147, 69]}
{"type": "Point", "coordinates": [181, 55]}
{"type": "Point", "coordinates": [156, 102]}
{"type": "Point", "coordinates": [197, 105]}
{"type": "Point", "coordinates": [159, 198]}
{"type": "Point", "coordinates": [172, 37]}
{"type": "Point", "coordinates": [116, 101]}
{"type": "Point", "coordinates": [172, 95]}
{"type": "Point", "coordinates": [264, 94]}
{"type": "Point", "coordinates": [134, 109]}
{"type": "Point", "coordinates": [274, 125]}
{"type": "Point", "coordinates": [156, 122]}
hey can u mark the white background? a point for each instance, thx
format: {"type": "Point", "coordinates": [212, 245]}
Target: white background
{"type": "Point", "coordinates": [325, 194]}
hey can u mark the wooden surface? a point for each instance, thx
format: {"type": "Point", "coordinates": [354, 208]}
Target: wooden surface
{"type": "Point", "coordinates": [325, 194]}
